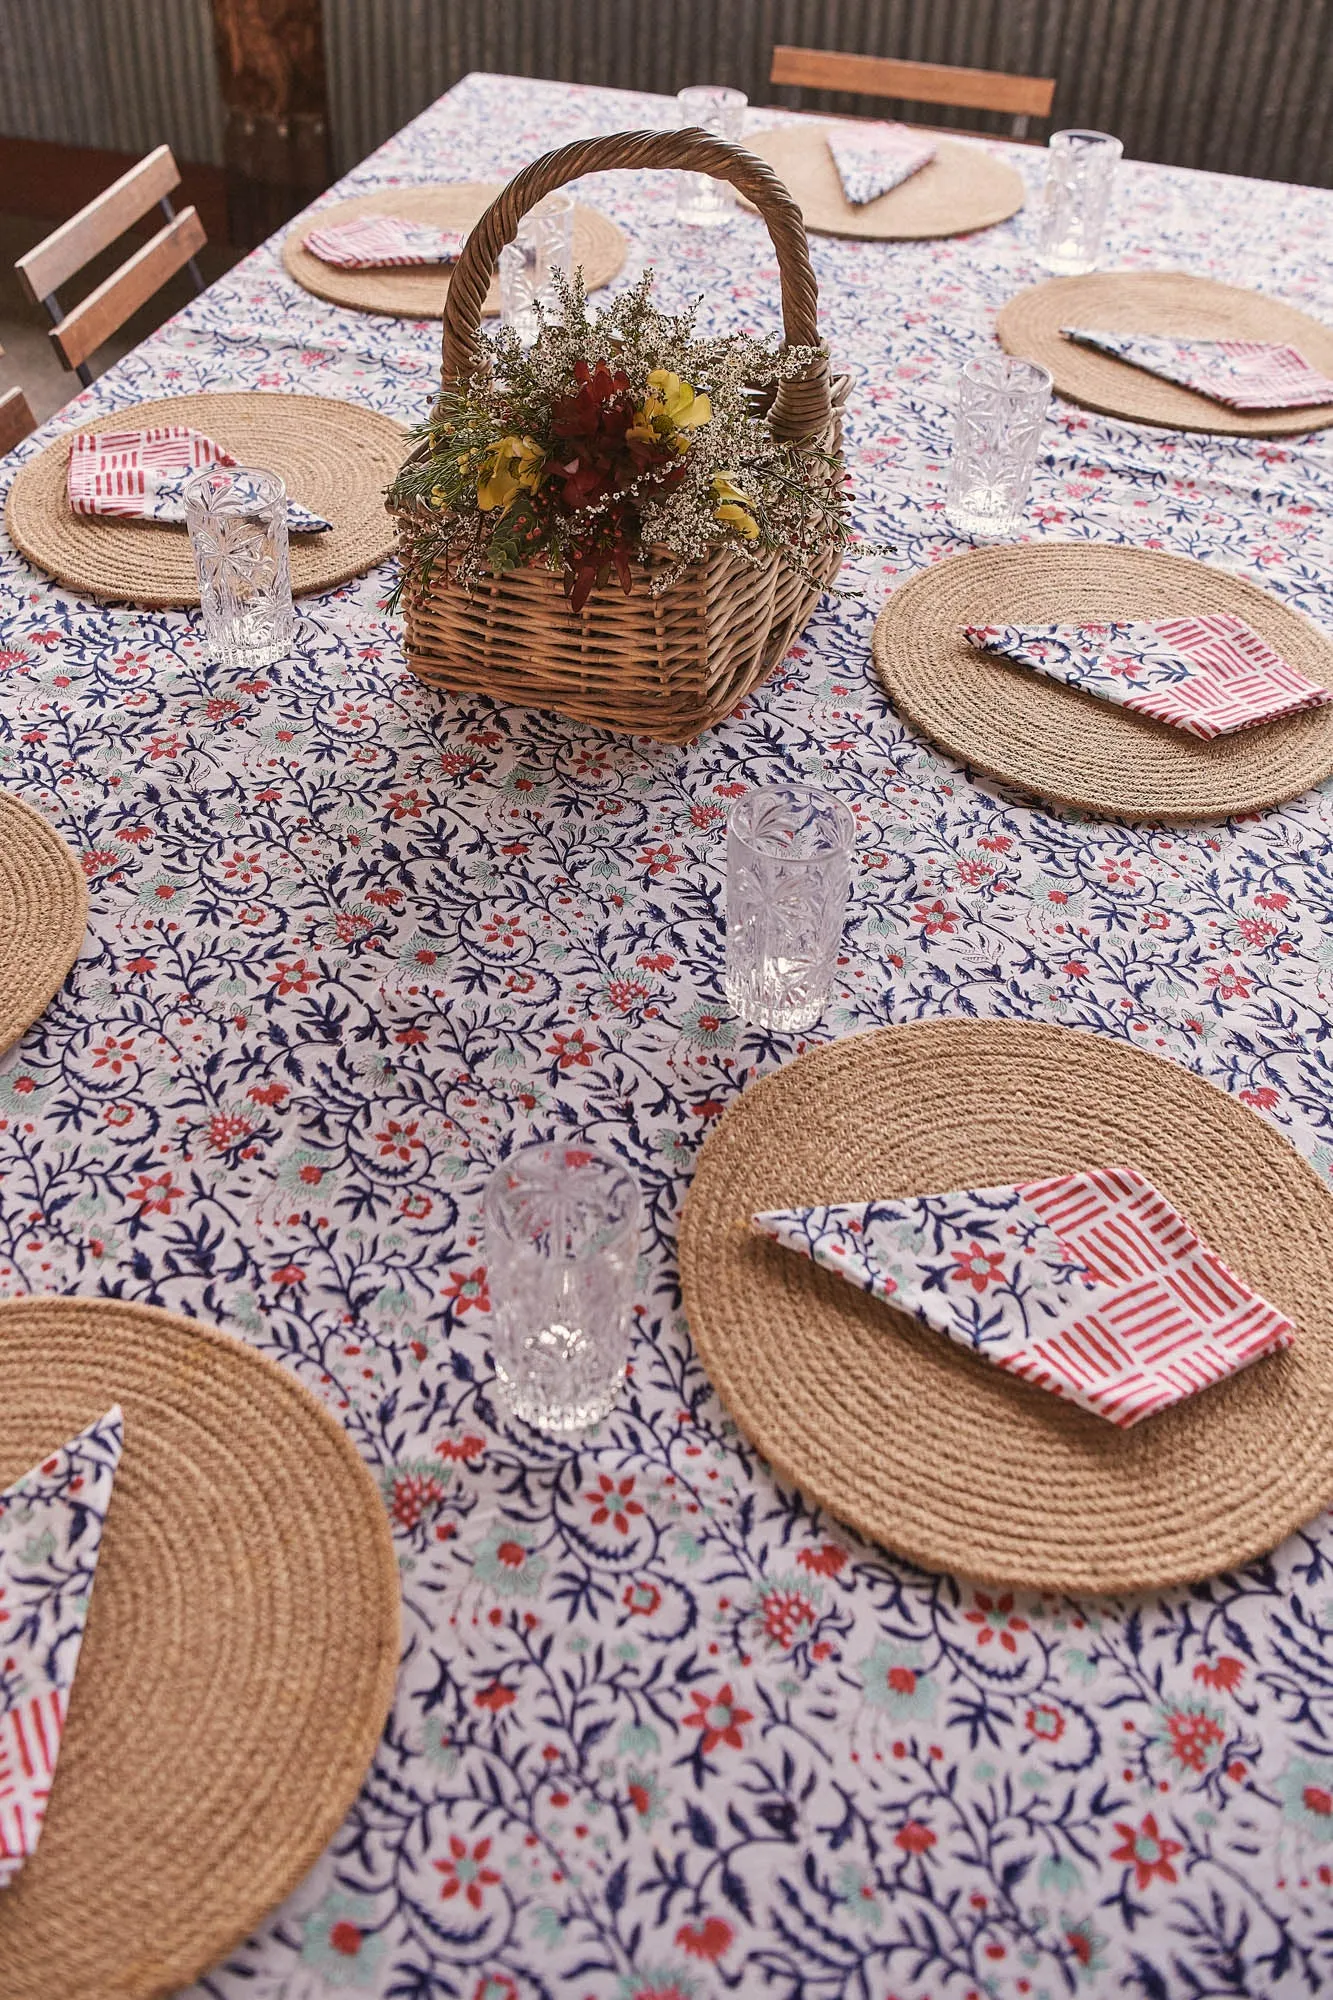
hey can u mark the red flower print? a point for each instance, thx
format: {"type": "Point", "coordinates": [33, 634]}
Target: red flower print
{"type": "Point", "coordinates": [293, 978]}
{"type": "Point", "coordinates": [977, 1266]}
{"type": "Point", "coordinates": [399, 1141]}
{"type": "Point", "coordinates": [466, 1289]}
{"type": "Point", "coordinates": [641, 1599]}
{"type": "Point", "coordinates": [914, 1838]}
{"type": "Point", "coordinates": [1273, 900]}
{"type": "Point", "coordinates": [462, 1450]}
{"type": "Point", "coordinates": [1225, 1673]}
{"type": "Point", "coordinates": [572, 1049]}
{"type": "Point", "coordinates": [1263, 1099]}
{"type": "Point", "coordinates": [345, 1938]}
{"type": "Point", "coordinates": [406, 805]}
{"type": "Point", "coordinates": [414, 1495]}
{"type": "Point", "coordinates": [786, 1616]}
{"type": "Point", "coordinates": [1318, 1800]}
{"type": "Point", "coordinates": [719, 1718]}
{"type": "Point", "coordinates": [115, 1054]}
{"type": "Point", "coordinates": [707, 1940]}
{"type": "Point", "coordinates": [226, 1131]}
{"type": "Point", "coordinates": [823, 1562]}
{"type": "Point", "coordinates": [1229, 982]}
{"type": "Point", "coordinates": [625, 994]}
{"type": "Point", "coordinates": [659, 860]}
{"type": "Point", "coordinates": [937, 919]}
{"type": "Point", "coordinates": [495, 1986]}
{"type": "Point", "coordinates": [1147, 1851]}
{"type": "Point", "coordinates": [1046, 1722]}
{"type": "Point", "coordinates": [1193, 1733]}
{"type": "Point", "coordinates": [996, 1618]}
{"type": "Point", "coordinates": [268, 1093]}
{"type": "Point", "coordinates": [495, 1697]}
{"type": "Point", "coordinates": [611, 1502]}
{"type": "Point", "coordinates": [464, 1872]}
{"type": "Point", "coordinates": [289, 1274]}
{"type": "Point", "coordinates": [156, 1194]}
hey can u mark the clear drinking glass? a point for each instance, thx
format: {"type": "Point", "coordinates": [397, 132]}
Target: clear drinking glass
{"type": "Point", "coordinates": [716, 108]}
{"type": "Point", "coordinates": [562, 1240]}
{"type": "Point", "coordinates": [237, 517]}
{"type": "Point", "coordinates": [789, 872]}
{"type": "Point", "coordinates": [1080, 171]}
{"type": "Point", "coordinates": [544, 244]}
{"type": "Point", "coordinates": [1001, 409]}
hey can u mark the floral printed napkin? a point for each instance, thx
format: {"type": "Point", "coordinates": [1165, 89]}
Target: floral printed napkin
{"type": "Point", "coordinates": [370, 242]}
{"type": "Point", "coordinates": [1209, 675]}
{"type": "Point", "coordinates": [1090, 1285]}
{"type": "Point", "coordinates": [141, 475]}
{"type": "Point", "coordinates": [1244, 374]}
{"type": "Point", "coordinates": [873, 159]}
{"type": "Point", "coordinates": [50, 1533]}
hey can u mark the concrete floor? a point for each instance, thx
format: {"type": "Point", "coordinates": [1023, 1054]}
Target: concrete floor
{"type": "Point", "coordinates": [29, 360]}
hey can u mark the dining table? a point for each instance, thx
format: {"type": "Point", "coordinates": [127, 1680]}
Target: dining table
{"type": "Point", "coordinates": [662, 1729]}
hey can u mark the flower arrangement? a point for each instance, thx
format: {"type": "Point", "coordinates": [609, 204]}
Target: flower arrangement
{"type": "Point", "coordinates": [619, 439]}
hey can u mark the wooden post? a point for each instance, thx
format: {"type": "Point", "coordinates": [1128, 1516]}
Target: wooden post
{"type": "Point", "coordinates": [273, 83]}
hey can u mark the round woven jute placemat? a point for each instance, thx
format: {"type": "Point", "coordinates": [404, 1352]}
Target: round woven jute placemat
{"type": "Point", "coordinates": [963, 188]}
{"type": "Point", "coordinates": [1074, 749]}
{"type": "Point", "coordinates": [43, 915]}
{"type": "Point", "coordinates": [929, 1449]}
{"type": "Point", "coordinates": [1159, 302]}
{"type": "Point", "coordinates": [420, 293]}
{"type": "Point", "coordinates": [335, 458]}
{"type": "Point", "coordinates": [239, 1657]}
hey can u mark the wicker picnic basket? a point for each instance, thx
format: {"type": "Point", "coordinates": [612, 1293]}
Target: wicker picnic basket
{"type": "Point", "coordinates": [667, 666]}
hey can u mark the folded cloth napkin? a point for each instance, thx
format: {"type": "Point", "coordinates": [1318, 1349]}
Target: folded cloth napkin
{"type": "Point", "coordinates": [371, 241]}
{"type": "Point", "coordinates": [1209, 675]}
{"type": "Point", "coordinates": [50, 1534]}
{"type": "Point", "coordinates": [1090, 1284]}
{"type": "Point", "coordinates": [1244, 374]}
{"type": "Point", "coordinates": [141, 475]}
{"type": "Point", "coordinates": [872, 159]}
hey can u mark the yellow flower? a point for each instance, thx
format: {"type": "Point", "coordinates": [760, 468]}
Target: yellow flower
{"type": "Point", "coordinates": [509, 467]}
{"type": "Point", "coordinates": [670, 406]}
{"type": "Point", "coordinates": [734, 507]}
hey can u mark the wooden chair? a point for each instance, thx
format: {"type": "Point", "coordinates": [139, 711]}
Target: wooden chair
{"type": "Point", "coordinates": [16, 419]}
{"type": "Point", "coordinates": [917, 83]}
{"type": "Point", "coordinates": [77, 333]}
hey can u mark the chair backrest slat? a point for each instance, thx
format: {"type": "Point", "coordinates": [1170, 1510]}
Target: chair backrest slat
{"type": "Point", "coordinates": [67, 249]}
{"type": "Point", "coordinates": [914, 82]}
{"type": "Point", "coordinates": [97, 317]}
{"type": "Point", "coordinates": [16, 420]}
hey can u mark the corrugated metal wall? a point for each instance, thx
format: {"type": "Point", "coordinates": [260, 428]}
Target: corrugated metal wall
{"type": "Point", "coordinates": [122, 74]}
{"type": "Point", "coordinates": [1240, 85]}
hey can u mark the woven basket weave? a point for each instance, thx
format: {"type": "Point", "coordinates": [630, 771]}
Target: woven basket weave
{"type": "Point", "coordinates": [665, 666]}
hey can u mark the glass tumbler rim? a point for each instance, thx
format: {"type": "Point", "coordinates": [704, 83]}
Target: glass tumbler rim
{"type": "Point", "coordinates": [619, 1184]}
{"type": "Point", "coordinates": [265, 487]}
{"type": "Point", "coordinates": [711, 93]}
{"type": "Point", "coordinates": [1084, 135]}
{"type": "Point", "coordinates": [1000, 370]}
{"type": "Point", "coordinates": [842, 822]}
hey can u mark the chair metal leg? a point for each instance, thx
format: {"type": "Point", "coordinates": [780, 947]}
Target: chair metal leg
{"type": "Point", "coordinates": [52, 305]}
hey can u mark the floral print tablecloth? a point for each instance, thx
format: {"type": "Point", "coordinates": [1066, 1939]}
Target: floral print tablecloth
{"type": "Point", "coordinates": [663, 1733]}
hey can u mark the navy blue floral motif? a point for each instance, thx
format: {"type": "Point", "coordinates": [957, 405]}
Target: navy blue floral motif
{"type": "Point", "coordinates": [351, 941]}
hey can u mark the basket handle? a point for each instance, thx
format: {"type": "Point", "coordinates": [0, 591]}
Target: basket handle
{"type": "Point", "coordinates": [801, 408]}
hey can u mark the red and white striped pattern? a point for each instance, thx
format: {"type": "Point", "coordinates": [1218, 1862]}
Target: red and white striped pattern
{"type": "Point", "coordinates": [1236, 679]}
{"type": "Point", "coordinates": [1178, 1321]}
{"type": "Point", "coordinates": [371, 241]}
{"type": "Point", "coordinates": [29, 1744]}
{"type": "Point", "coordinates": [117, 472]}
